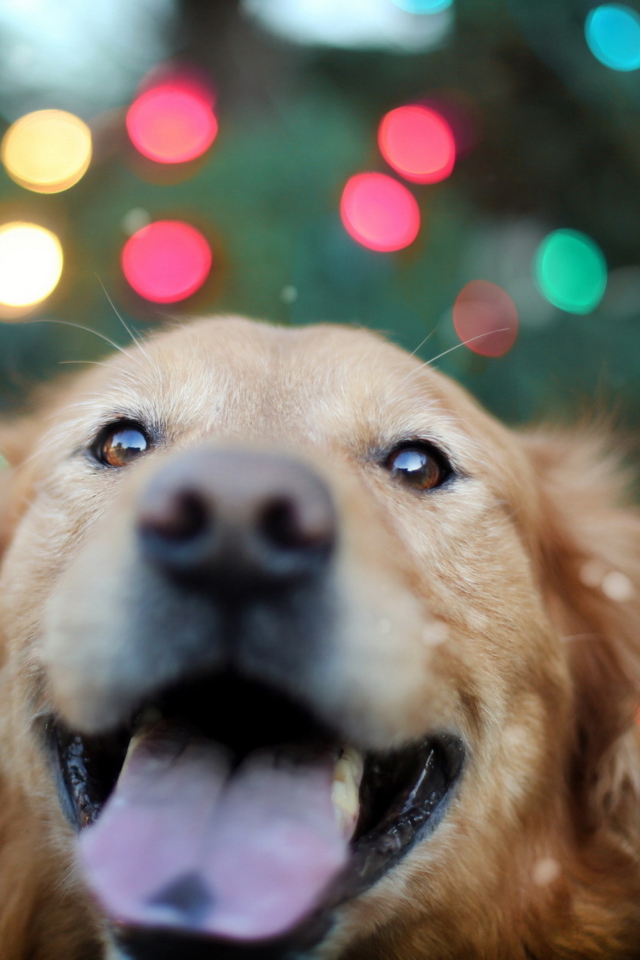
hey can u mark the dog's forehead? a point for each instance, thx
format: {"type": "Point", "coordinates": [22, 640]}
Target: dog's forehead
{"type": "Point", "coordinates": [238, 375]}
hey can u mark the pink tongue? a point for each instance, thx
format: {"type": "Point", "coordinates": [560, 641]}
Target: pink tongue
{"type": "Point", "coordinates": [182, 843]}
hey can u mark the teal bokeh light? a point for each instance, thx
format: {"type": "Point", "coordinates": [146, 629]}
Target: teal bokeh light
{"type": "Point", "coordinates": [571, 271]}
{"type": "Point", "coordinates": [613, 36]}
{"type": "Point", "coordinates": [423, 6]}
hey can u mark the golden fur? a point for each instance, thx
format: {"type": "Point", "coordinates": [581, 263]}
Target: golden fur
{"type": "Point", "coordinates": [506, 608]}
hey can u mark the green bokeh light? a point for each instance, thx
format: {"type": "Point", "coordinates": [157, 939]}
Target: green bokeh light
{"type": "Point", "coordinates": [571, 271]}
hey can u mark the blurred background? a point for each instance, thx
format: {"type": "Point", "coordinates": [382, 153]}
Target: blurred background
{"type": "Point", "coordinates": [461, 174]}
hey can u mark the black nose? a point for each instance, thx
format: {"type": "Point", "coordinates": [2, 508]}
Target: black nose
{"type": "Point", "coordinates": [234, 518]}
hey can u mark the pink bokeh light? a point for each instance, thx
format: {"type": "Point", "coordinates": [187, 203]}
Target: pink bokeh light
{"type": "Point", "coordinates": [166, 261]}
{"type": "Point", "coordinates": [172, 122]}
{"type": "Point", "coordinates": [379, 212]}
{"type": "Point", "coordinates": [418, 143]}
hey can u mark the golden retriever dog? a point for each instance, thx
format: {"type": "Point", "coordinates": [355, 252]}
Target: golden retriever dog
{"type": "Point", "coordinates": [304, 655]}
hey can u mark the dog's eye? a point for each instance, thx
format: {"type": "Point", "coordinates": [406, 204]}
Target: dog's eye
{"type": "Point", "coordinates": [121, 443]}
{"type": "Point", "coordinates": [418, 465]}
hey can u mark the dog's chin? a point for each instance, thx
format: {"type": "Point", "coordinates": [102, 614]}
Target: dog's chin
{"type": "Point", "coordinates": [258, 802]}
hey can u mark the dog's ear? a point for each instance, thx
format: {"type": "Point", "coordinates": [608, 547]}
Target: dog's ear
{"type": "Point", "coordinates": [589, 543]}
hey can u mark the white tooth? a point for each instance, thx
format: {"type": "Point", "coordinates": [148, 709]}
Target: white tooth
{"type": "Point", "coordinates": [133, 743]}
{"type": "Point", "coordinates": [150, 718]}
{"type": "Point", "coordinates": [346, 787]}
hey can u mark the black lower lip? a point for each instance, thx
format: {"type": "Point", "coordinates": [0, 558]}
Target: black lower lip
{"type": "Point", "coordinates": [412, 817]}
{"type": "Point", "coordinates": [154, 945]}
{"type": "Point", "coordinates": [82, 776]}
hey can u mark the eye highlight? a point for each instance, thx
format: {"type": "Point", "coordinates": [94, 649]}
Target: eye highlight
{"type": "Point", "coordinates": [418, 465]}
{"type": "Point", "coordinates": [120, 444]}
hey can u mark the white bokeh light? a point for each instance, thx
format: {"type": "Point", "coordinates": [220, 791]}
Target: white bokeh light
{"type": "Point", "coordinates": [351, 23]}
{"type": "Point", "coordinates": [78, 55]}
{"type": "Point", "coordinates": [31, 261]}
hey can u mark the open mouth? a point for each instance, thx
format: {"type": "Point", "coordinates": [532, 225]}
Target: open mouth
{"type": "Point", "coordinates": [225, 810]}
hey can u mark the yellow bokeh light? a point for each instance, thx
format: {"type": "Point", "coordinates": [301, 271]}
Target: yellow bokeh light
{"type": "Point", "coordinates": [30, 263]}
{"type": "Point", "coordinates": [47, 151]}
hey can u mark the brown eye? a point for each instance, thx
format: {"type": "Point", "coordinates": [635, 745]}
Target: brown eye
{"type": "Point", "coordinates": [419, 466]}
{"type": "Point", "coordinates": [121, 444]}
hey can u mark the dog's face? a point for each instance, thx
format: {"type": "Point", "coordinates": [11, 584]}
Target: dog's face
{"type": "Point", "coordinates": [285, 622]}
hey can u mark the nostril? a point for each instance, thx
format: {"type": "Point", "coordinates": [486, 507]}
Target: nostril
{"type": "Point", "coordinates": [280, 526]}
{"type": "Point", "coordinates": [285, 524]}
{"type": "Point", "coordinates": [178, 518]}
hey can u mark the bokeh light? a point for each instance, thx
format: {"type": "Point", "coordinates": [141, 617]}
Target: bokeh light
{"type": "Point", "coordinates": [418, 143]}
{"type": "Point", "coordinates": [571, 271]}
{"type": "Point", "coordinates": [423, 6]}
{"type": "Point", "coordinates": [166, 261]}
{"type": "Point", "coordinates": [613, 36]}
{"type": "Point", "coordinates": [485, 318]}
{"type": "Point", "coordinates": [31, 262]}
{"type": "Point", "coordinates": [379, 212]}
{"type": "Point", "coordinates": [351, 24]}
{"type": "Point", "coordinates": [172, 122]}
{"type": "Point", "coordinates": [134, 220]}
{"type": "Point", "coordinates": [47, 151]}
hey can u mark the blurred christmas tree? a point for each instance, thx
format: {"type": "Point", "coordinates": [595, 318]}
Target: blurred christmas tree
{"type": "Point", "coordinates": [546, 127]}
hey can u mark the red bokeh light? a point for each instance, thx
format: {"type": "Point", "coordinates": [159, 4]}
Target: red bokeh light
{"type": "Point", "coordinates": [379, 212]}
{"type": "Point", "coordinates": [418, 143]}
{"type": "Point", "coordinates": [166, 261]}
{"type": "Point", "coordinates": [172, 122]}
{"type": "Point", "coordinates": [485, 318]}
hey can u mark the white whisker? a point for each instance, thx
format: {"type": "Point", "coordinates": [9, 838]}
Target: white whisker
{"type": "Point", "coordinates": [463, 343]}
{"type": "Point", "coordinates": [95, 363]}
{"type": "Point", "coordinates": [79, 326]}
{"type": "Point", "coordinates": [422, 342]}
{"type": "Point", "coordinates": [137, 340]}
